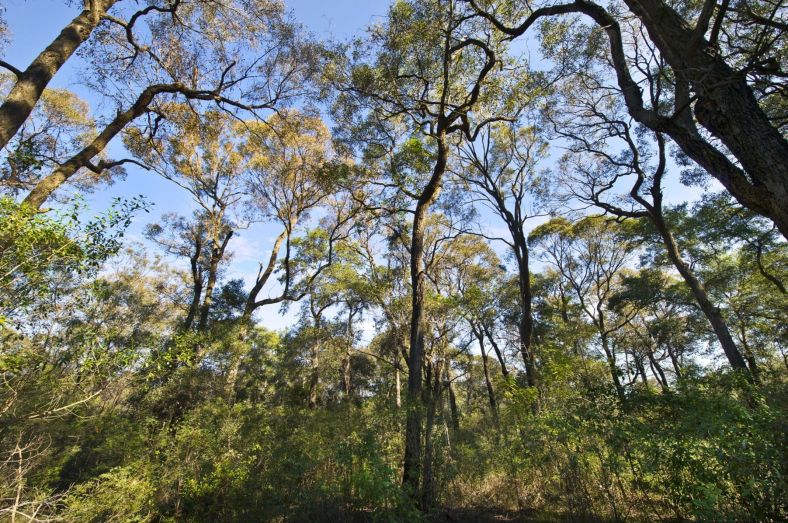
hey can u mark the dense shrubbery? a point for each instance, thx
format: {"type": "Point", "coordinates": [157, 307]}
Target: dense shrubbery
{"type": "Point", "coordinates": [146, 442]}
{"type": "Point", "coordinates": [485, 330]}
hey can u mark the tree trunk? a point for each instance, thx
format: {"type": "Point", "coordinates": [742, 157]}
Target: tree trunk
{"type": "Point", "coordinates": [264, 274]}
{"type": "Point", "coordinates": [726, 107]}
{"type": "Point", "coordinates": [346, 369]}
{"type": "Point", "coordinates": [314, 381]}
{"type": "Point", "coordinates": [398, 386]}
{"type": "Point", "coordinates": [235, 360]}
{"type": "Point", "coordinates": [724, 104]}
{"type": "Point", "coordinates": [431, 400]}
{"type": "Point", "coordinates": [488, 382]}
{"type": "Point", "coordinates": [526, 325]}
{"type": "Point", "coordinates": [32, 81]}
{"type": "Point", "coordinates": [641, 369]}
{"type": "Point", "coordinates": [657, 370]}
{"type": "Point", "coordinates": [454, 410]}
{"type": "Point", "coordinates": [674, 361]}
{"type": "Point", "coordinates": [316, 345]}
{"type": "Point", "coordinates": [413, 428]}
{"type": "Point", "coordinates": [497, 349]}
{"type": "Point", "coordinates": [50, 183]}
{"type": "Point", "coordinates": [711, 312]}
{"type": "Point", "coordinates": [196, 288]}
{"type": "Point", "coordinates": [752, 363]}
{"type": "Point", "coordinates": [611, 363]}
{"type": "Point", "coordinates": [217, 253]}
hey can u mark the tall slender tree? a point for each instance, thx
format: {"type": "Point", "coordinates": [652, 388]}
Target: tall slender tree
{"type": "Point", "coordinates": [431, 66]}
{"type": "Point", "coordinates": [501, 168]}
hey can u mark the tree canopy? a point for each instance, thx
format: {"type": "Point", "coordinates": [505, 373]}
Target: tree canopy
{"type": "Point", "coordinates": [481, 260]}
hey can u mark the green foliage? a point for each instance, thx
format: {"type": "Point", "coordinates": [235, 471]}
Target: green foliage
{"type": "Point", "coordinates": [39, 252]}
{"type": "Point", "coordinates": [122, 494]}
{"type": "Point", "coordinates": [133, 389]}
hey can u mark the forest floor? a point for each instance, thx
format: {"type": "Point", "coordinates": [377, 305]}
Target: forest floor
{"type": "Point", "coordinates": [493, 515]}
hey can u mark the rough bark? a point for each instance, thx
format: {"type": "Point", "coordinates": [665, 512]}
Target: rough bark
{"type": "Point", "coordinates": [413, 425]}
{"type": "Point", "coordinates": [724, 104]}
{"type": "Point", "coordinates": [30, 84]}
{"type": "Point", "coordinates": [728, 109]}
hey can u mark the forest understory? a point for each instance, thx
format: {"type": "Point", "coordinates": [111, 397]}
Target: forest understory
{"type": "Point", "coordinates": [481, 261]}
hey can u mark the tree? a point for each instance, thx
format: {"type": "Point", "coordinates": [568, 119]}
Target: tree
{"type": "Point", "coordinates": [186, 238]}
{"type": "Point", "coordinates": [500, 167]}
{"type": "Point", "coordinates": [39, 254]}
{"type": "Point", "coordinates": [595, 172]}
{"type": "Point", "coordinates": [718, 85]}
{"type": "Point", "coordinates": [429, 72]}
{"type": "Point", "coordinates": [200, 154]}
{"type": "Point", "coordinates": [722, 241]}
{"type": "Point", "coordinates": [59, 126]}
{"type": "Point", "coordinates": [145, 384]}
{"type": "Point", "coordinates": [590, 255]}
{"type": "Point", "coordinates": [290, 175]}
{"type": "Point", "coordinates": [31, 83]}
{"type": "Point", "coordinates": [472, 274]}
{"type": "Point", "coordinates": [158, 64]}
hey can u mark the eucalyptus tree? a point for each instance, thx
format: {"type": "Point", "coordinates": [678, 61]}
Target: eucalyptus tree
{"type": "Point", "coordinates": [642, 291]}
{"type": "Point", "coordinates": [199, 153]}
{"type": "Point", "coordinates": [620, 167]}
{"type": "Point", "coordinates": [291, 181]}
{"type": "Point", "coordinates": [453, 262]}
{"type": "Point", "coordinates": [667, 325]}
{"type": "Point", "coordinates": [500, 167]}
{"type": "Point", "coordinates": [383, 262]}
{"type": "Point", "coordinates": [185, 238]}
{"type": "Point", "coordinates": [31, 83]}
{"type": "Point", "coordinates": [482, 292]}
{"type": "Point", "coordinates": [353, 292]}
{"type": "Point", "coordinates": [722, 241]}
{"type": "Point", "coordinates": [59, 126]}
{"type": "Point", "coordinates": [754, 309]}
{"type": "Point", "coordinates": [723, 102]}
{"type": "Point", "coordinates": [432, 73]}
{"type": "Point", "coordinates": [343, 290]}
{"type": "Point", "coordinates": [472, 273]}
{"type": "Point", "coordinates": [293, 171]}
{"type": "Point", "coordinates": [243, 57]}
{"type": "Point", "coordinates": [590, 256]}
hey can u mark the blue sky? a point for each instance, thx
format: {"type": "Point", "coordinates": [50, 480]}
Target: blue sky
{"type": "Point", "coordinates": [34, 23]}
